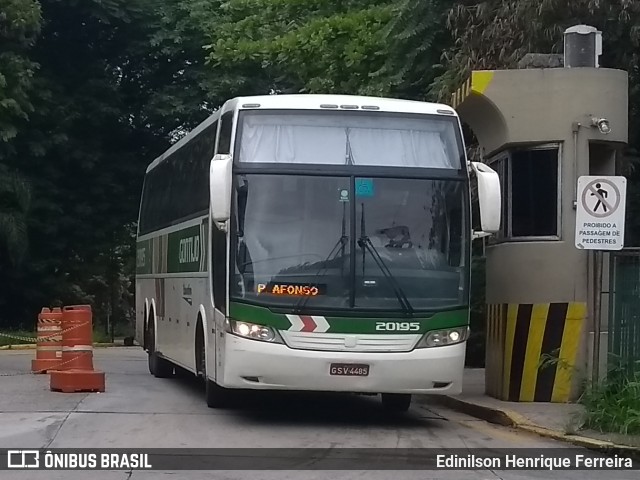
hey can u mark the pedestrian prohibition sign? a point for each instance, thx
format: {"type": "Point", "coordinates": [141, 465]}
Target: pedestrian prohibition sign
{"type": "Point", "coordinates": [600, 214]}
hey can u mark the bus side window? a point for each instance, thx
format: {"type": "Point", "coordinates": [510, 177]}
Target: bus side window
{"type": "Point", "coordinates": [226, 125]}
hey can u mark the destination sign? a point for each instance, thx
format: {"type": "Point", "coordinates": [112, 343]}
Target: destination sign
{"type": "Point", "coordinates": [292, 289]}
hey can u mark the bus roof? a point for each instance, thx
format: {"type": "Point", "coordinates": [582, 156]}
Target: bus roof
{"type": "Point", "coordinates": [337, 102]}
{"type": "Point", "coordinates": [312, 102]}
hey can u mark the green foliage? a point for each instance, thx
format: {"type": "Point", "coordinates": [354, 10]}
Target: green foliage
{"type": "Point", "coordinates": [100, 336]}
{"type": "Point", "coordinates": [416, 35]}
{"type": "Point", "coordinates": [314, 46]}
{"type": "Point", "coordinates": [553, 360]}
{"type": "Point", "coordinates": [496, 34]}
{"type": "Point", "coordinates": [85, 149]}
{"type": "Point", "coordinates": [613, 406]}
{"type": "Point", "coordinates": [15, 201]}
{"type": "Point", "coordinates": [180, 91]}
{"type": "Point", "coordinates": [19, 24]}
{"type": "Point", "coordinates": [17, 337]}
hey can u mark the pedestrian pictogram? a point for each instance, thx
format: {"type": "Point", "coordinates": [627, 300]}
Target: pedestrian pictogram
{"type": "Point", "coordinates": [601, 197]}
{"type": "Point", "coordinates": [601, 193]}
{"type": "Point", "coordinates": [600, 215]}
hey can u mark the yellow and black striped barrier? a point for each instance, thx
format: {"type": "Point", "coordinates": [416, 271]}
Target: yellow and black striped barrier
{"type": "Point", "coordinates": [520, 337]}
{"type": "Point", "coordinates": [477, 83]}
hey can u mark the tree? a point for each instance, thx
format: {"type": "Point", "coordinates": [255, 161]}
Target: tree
{"type": "Point", "coordinates": [416, 34]}
{"type": "Point", "coordinates": [81, 148]}
{"type": "Point", "coordinates": [497, 34]}
{"type": "Point", "coordinates": [316, 46]}
{"type": "Point", "coordinates": [15, 200]}
{"type": "Point", "coordinates": [19, 25]}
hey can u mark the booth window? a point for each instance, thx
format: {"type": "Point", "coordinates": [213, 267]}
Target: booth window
{"type": "Point", "coordinates": [534, 193]}
{"type": "Point", "coordinates": [530, 194]}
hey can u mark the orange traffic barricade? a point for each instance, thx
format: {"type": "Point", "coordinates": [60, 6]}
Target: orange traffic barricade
{"type": "Point", "coordinates": [75, 372]}
{"type": "Point", "coordinates": [49, 341]}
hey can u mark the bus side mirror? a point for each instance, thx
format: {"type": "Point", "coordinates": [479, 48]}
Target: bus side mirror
{"type": "Point", "coordinates": [220, 189]}
{"type": "Point", "coordinates": [489, 197]}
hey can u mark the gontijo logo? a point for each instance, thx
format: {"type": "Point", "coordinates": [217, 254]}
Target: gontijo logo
{"type": "Point", "coordinates": [189, 250]}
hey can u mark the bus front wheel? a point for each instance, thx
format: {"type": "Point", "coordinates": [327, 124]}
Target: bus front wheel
{"type": "Point", "coordinates": [395, 402]}
{"type": "Point", "coordinates": [217, 396]}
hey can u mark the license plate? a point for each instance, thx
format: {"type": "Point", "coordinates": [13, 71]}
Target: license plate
{"type": "Point", "coordinates": [349, 369]}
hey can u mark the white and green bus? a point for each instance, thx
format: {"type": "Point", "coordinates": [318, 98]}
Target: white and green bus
{"type": "Point", "coordinates": [312, 242]}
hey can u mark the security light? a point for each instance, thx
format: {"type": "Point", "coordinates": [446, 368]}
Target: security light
{"type": "Point", "coordinates": [602, 124]}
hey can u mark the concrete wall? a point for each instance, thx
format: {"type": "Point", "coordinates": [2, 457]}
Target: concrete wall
{"type": "Point", "coordinates": [540, 105]}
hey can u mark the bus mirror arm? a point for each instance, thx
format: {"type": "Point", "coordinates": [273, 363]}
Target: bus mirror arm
{"type": "Point", "coordinates": [479, 234]}
{"type": "Point", "coordinates": [222, 226]}
{"type": "Point", "coordinates": [489, 198]}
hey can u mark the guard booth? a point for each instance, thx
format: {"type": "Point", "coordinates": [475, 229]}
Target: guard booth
{"type": "Point", "coordinates": [540, 128]}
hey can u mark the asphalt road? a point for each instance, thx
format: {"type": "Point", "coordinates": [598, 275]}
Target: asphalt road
{"type": "Point", "coordinates": [140, 411]}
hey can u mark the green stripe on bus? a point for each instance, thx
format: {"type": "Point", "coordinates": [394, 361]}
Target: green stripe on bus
{"type": "Point", "coordinates": [184, 250]}
{"type": "Point", "coordinates": [264, 316]}
{"type": "Point", "coordinates": [181, 251]}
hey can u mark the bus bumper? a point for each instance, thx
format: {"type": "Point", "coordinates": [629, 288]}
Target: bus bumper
{"type": "Point", "coordinates": [251, 364]}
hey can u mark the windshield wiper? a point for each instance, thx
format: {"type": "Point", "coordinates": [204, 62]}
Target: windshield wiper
{"type": "Point", "coordinates": [338, 247]}
{"type": "Point", "coordinates": [364, 242]}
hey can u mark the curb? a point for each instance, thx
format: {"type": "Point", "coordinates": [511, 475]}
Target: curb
{"type": "Point", "coordinates": [32, 346]}
{"type": "Point", "coordinates": [21, 346]}
{"type": "Point", "coordinates": [512, 419]}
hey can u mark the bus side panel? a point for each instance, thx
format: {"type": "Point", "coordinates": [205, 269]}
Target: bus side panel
{"type": "Point", "coordinates": [163, 334]}
{"type": "Point", "coordinates": [217, 346]}
{"type": "Point", "coordinates": [186, 295]}
{"type": "Point", "coordinates": [169, 342]}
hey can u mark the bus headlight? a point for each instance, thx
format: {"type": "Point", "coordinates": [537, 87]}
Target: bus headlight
{"type": "Point", "coordinates": [253, 331]}
{"type": "Point", "coordinates": [440, 338]}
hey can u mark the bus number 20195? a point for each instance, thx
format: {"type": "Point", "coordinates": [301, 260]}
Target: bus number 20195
{"type": "Point", "coordinates": [398, 326]}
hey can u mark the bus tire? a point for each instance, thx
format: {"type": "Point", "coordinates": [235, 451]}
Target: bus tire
{"type": "Point", "coordinates": [396, 402]}
{"type": "Point", "coordinates": [217, 396]}
{"type": "Point", "coordinates": [158, 366]}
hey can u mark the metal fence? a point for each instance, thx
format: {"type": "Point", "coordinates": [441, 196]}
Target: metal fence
{"type": "Point", "coordinates": [624, 308]}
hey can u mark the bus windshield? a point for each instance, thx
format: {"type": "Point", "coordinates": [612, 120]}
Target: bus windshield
{"type": "Point", "coordinates": [349, 138]}
{"type": "Point", "coordinates": [341, 242]}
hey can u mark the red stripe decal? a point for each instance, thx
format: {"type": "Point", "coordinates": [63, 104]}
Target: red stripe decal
{"type": "Point", "coordinates": [309, 324]}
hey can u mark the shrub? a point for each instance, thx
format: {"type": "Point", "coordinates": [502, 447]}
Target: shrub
{"type": "Point", "coordinates": [613, 406]}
